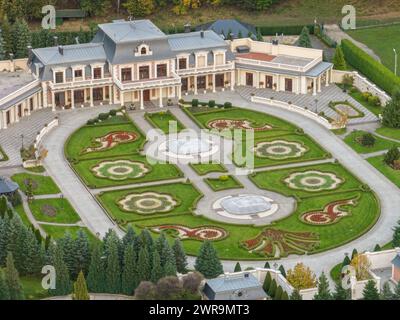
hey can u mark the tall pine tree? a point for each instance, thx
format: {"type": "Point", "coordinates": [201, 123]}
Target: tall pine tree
{"type": "Point", "coordinates": [113, 270]}
{"type": "Point", "coordinates": [80, 289]}
{"type": "Point", "coordinates": [15, 290]}
{"type": "Point", "coordinates": [370, 291]}
{"type": "Point", "coordinates": [63, 282]}
{"type": "Point", "coordinates": [157, 272]}
{"type": "Point", "coordinates": [96, 274]}
{"type": "Point", "coordinates": [180, 256]}
{"type": "Point", "coordinates": [339, 62]}
{"type": "Point", "coordinates": [207, 261]}
{"type": "Point", "coordinates": [22, 38]}
{"type": "Point", "coordinates": [129, 272]}
{"type": "Point", "coordinates": [144, 265]}
{"type": "Point", "coordinates": [4, 292]}
{"type": "Point", "coordinates": [323, 289]}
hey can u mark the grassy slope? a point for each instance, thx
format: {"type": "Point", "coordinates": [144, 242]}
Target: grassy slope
{"type": "Point", "coordinates": [391, 174]}
{"type": "Point", "coordinates": [45, 185]}
{"type": "Point", "coordinates": [389, 132]}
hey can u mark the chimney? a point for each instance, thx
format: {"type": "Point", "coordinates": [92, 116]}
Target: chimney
{"type": "Point", "coordinates": [202, 33]}
{"type": "Point", "coordinates": [61, 50]}
{"type": "Point", "coordinates": [55, 40]}
{"type": "Point", "coordinates": [188, 27]}
{"type": "Point", "coordinates": [77, 40]}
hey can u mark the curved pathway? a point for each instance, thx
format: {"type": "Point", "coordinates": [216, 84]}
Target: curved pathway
{"type": "Point", "coordinates": [385, 190]}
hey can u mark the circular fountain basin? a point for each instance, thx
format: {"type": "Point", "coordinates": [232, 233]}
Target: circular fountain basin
{"type": "Point", "coordinates": [192, 146]}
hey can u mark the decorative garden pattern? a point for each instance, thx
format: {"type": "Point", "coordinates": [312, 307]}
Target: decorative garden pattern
{"type": "Point", "coordinates": [49, 210]}
{"type": "Point", "coordinates": [111, 140]}
{"type": "Point", "coordinates": [200, 233]}
{"type": "Point", "coordinates": [275, 242]}
{"type": "Point", "coordinates": [280, 149]}
{"type": "Point", "coordinates": [313, 181]}
{"type": "Point", "coordinates": [120, 169]}
{"type": "Point", "coordinates": [148, 203]}
{"type": "Point", "coordinates": [222, 124]}
{"type": "Point", "coordinates": [330, 214]}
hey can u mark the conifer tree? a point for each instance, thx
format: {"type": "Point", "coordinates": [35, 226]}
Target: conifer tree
{"type": "Point", "coordinates": [63, 282]}
{"type": "Point", "coordinates": [180, 256]}
{"type": "Point", "coordinates": [396, 293]}
{"type": "Point", "coordinates": [144, 265]}
{"type": "Point", "coordinates": [3, 205]}
{"type": "Point", "coordinates": [4, 236]}
{"type": "Point", "coordinates": [22, 38]}
{"type": "Point", "coordinates": [113, 270]}
{"type": "Point", "coordinates": [207, 262]}
{"type": "Point", "coordinates": [68, 249]}
{"type": "Point", "coordinates": [82, 254]}
{"type": "Point", "coordinates": [370, 291]}
{"type": "Point", "coordinates": [129, 237]}
{"type": "Point", "coordinates": [278, 293]}
{"type": "Point", "coordinates": [346, 261]}
{"type": "Point", "coordinates": [386, 293]}
{"type": "Point", "coordinates": [80, 289]}
{"type": "Point", "coordinates": [157, 271]}
{"type": "Point", "coordinates": [272, 288]}
{"type": "Point", "coordinates": [296, 295]}
{"type": "Point", "coordinates": [391, 112]}
{"type": "Point", "coordinates": [4, 292]}
{"type": "Point", "coordinates": [15, 290]}
{"type": "Point", "coordinates": [266, 265]}
{"type": "Point", "coordinates": [129, 273]}
{"type": "Point", "coordinates": [354, 253]}
{"type": "Point", "coordinates": [238, 268]}
{"type": "Point", "coordinates": [304, 39]}
{"type": "Point", "coordinates": [282, 270]}
{"type": "Point", "coordinates": [323, 289]}
{"type": "Point", "coordinates": [284, 296]}
{"type": "Point", "coordinates": [267, 282]}
{"type": "Point", "coordinates": [339, 62]}
{"type": "Point", "coordinates": [170, 264]}
{"type": "Point", "coordinates": [34, 253]}
{"type": "Point", "coordinates": [16, 243]}
{"type": "Point", "coordinates": [396, 235]}
{"type": "Point", "coordinates": [96, 274]}
{"type": "Point", "coordinates": [341, 293]}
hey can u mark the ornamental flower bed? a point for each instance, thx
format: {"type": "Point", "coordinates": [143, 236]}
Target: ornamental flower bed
{"type": "Point", "coordinates": [286, 242]}
{"type": "Point", "coordinates": [148, 203]}
{"type": "Point", "coordinates": [228, 124]}
{"type": "Point", "coordinates": [120, 170]}
{"type": "Point", "coordinates": [313, 181]}
{"type": "Point", "coordinates": [111, 140]}
{"type": "Point", "coordinates": [211, 233]}
{"type": "Point", "coordinates": [331, 213]}
{"type": "Point", "coordinates": [280, 149]}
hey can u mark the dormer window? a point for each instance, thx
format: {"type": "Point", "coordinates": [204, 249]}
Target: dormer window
{"type": "Point", "coordinates": [143, 51]}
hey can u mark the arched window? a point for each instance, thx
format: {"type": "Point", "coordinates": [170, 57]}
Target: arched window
{"type": "Point", "coordinates": [143, 50]}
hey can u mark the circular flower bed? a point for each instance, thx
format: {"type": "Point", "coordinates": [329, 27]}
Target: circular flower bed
{"type": "Point", "coordinates": [200, 233]}
{"type": "Point", "coordinates": [120, 169]}
{"type": "Point", "coordinates": [222, 124]}
{"type": "Point", "coordinates": [313, 181]}
{"type": "Point", "coordinates": [49, 210]}
{"type": "Point", "coordinates": [279, 149]}
{"type": "Point", "coordinates": [148, 203]}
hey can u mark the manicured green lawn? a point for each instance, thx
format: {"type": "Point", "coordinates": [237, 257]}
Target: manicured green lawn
{"type": "Point", "coordinates": [64, 211]}
{"type": "Point", "coordinates": [57, 232]}
{"type": "Point", "coordinates": [41, 185]}
{"type": "Point", "coordinates": [33, 289]}
{"type": "Point", "coordinates": [205, 168]}
{"type": "Point", "coordinates": [361, 218]}
{"type": "Point", "coordinates": [273, 180]}
{"type": "Point", "coordinates": [389, 132]}
{"type": "Point", "coordinates": [382, 40]}
{"type": "Point", "coordinates": [313, 151]}
{"type": "Point", "coordinates": [184, 193]}
{"type": "Point", "coordinates": [391, 174]}
{"type": "Point", "coordinates": [357, 95]}
{"type": "Point", "coordinates": [162, 121]}
{"type": "Point", "coordinates": [380, 144]}
{"type": "Point", "coordinates": [156, 172]}
{"type": "Point", "coordinates": [38, 169]}
{"type": "Point", "coordinates": [257, 119]}
{"type": "Point", "coordinates": [218, 184]}
{"type": "Point", "coordinates": [339, 132]}
{"type": "Point", "coordinates": [85, 137]}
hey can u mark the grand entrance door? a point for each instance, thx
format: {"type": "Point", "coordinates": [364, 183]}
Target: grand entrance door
{"type": "Point", "coordinates": [268, 82]}
{"type": "Point", "coordinates": [79, 96]}
{"type": "Point", "coordinates": [97, 94]}
{"type": "Point", "coordinates": [288, 85]}
{"type": "Point", "coordinates": [249, 79]}
{"type": "Point", "coordinates": [60, 99]}
{"type": "Point", "coordinates": [219, 80]}
{"type": "Point", "coordinates": [146, 95]}
{"type": "Point", "coordinates": [201, 82]}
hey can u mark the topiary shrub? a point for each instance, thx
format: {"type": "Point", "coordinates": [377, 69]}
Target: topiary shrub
{"type": "Point", "coordinates": [228, 105]}
{"type": "Point", "coordinates": [113, 113]}
{"type": "Point", "coordinates": [367, 140]}
{"type": "Point", "coordinates": [391, 156]}
{"type": "Point", "coordinates": [90, 122]}
{"type": "Point", "coordinates": [195, 102]}
{"type": "Point", "coordinates": [103, 116]}
{"type": "Point", "coordinates": [211, 103]}
{"type": "Point", "coordinates": [223, 178]}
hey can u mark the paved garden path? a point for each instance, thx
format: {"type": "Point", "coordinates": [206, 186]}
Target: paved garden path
{"type": "Point", "coordinates": [91, 213]}
{"type": "Point", "coordinates": [337, 34]}
{"type": "Point", "coordinates": [386, 191]}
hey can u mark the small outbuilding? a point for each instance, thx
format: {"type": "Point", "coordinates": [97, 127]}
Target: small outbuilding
{"type": "Point", "coordinates": [225, 26]}
{"type": "Point", "coordinates": [242, 286]}
{"type": "Point", "coordinates": [7, 187]}
{"type": "Point", "coordinates": [396, 268]}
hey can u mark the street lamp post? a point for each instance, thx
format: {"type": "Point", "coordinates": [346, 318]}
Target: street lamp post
{"type": "Point", "coordinates": [395, 61]}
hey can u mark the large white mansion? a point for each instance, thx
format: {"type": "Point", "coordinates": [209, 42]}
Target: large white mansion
{"type": "Point", "coordinates": [134, 62]}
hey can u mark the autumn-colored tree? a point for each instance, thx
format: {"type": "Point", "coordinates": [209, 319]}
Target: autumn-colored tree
{"type": "Point", "coordinates": [80, 289]}
{"type": "Point", "coordinates": [301, 277]}
{"type": "Point", "coordinates": [361, 264]}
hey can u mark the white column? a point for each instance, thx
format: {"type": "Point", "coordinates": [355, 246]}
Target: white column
{"type": "Point", "coordinates": [4, 113]}
{"type": "Point", "coordinates": [179, 88]}
{"type": "Point", "coordinates": [44, 95]}
{"type": "Point", "coordinates": [258, 79]}
{"type": "Point", "coordinates": [327, 78]}
{"type": "Point", "coordinates": [314, 86]}
{"type": "Point", "coordinates": [213, 81]}
{"type": "Point", "coordinates": [110, 95]}
{"type": "Point", "coordinates": [232, 80]}
{"type": "Point", "coordinates": [160, 98]}
{"type": "Point", "coordinates": [278, 83]}
{"type": "Point", "coordinates": [16, 116]}
{"type": "Point", "coordinates": [141, 99]}
{"type": "Point", "coordinates": [121, 98]}
{"type": "Point", "coordinates": [195, 84]}
{"type": "Point", "coordinates": [91, 97]}
{"type": "Point", "coordinates": [72, 100]}
{"type": "Point", "coordinates": [319, 84]}
{"type": "Point", "coordinates": [53, 101]}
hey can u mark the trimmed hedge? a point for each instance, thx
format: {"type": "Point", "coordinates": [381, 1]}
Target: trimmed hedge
{"type": "Point", "coordinates": [372, 69]}
{"type": "Point", "coordinates": [286, 30]}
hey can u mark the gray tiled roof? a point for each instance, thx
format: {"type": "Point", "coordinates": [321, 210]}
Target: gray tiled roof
{"type": "Point", "coordinates": [235, 282]}
{"type": "Point", "coordinates": [131, 31]}
{"type": "Point", "coordinates": [396, 261]}
{"type": "Point", "coordinates": [223, 27]}
{"type": "Point", "coordinates": [193, 41]}
{"type": "Point", "coordinates": [20, 97]}
{"type": "Point", "coordinates": [318, 69]}
{"type": "Point", "coordinates": [72, 54]}
{"type": "Point", "coordinates": [7, 186]}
